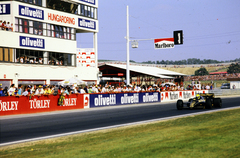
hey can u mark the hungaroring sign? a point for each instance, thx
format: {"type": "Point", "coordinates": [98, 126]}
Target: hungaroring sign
{"type": "Point", "coordinates": [164, 43]}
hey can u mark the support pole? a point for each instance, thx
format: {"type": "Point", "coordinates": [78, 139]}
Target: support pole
{"type": "Point", "coordinates": [127, 67]}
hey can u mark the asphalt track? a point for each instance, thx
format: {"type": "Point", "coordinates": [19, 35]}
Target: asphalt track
{"type": "Point", "coordinates": [26, 127]}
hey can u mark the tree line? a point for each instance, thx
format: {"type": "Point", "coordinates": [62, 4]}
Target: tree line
{"type": "Point", "coordinates": [190, 61]}
{"type": "Point", "coordinates": [233, 68]}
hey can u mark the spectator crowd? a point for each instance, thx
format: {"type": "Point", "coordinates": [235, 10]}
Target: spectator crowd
{"type": "Point", "coordinates": [37, 90]}
{"type": "Point", "coordinates": [6, 26]}
{"type": "Point", "coordinates": [212, 77]}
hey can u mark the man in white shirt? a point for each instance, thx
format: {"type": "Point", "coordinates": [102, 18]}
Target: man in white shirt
{"type": "Point", "coordinates": [25, 93]}
{"type": "Point", "coordinates": [11, 90]}
{"type": "Point", "coordinates": [207, 87]}
{"type": "Point", "coordinates": [95, 90]}
{"type": "Point", "coordinates": [8, 26]}
{"type": "Point", "coordinates": [104, 89]}
{"type": "Point", "coordinates": [82, 91]}
{"type": "Point", "coordinates": [41, 91]}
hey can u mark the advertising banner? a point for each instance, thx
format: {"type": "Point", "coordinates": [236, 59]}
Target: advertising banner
{"type": "Point", "coordinates": [175, 95]}
{"type": "Point", "coordinates": [99, 100]}
{"type": "Point", "coordinates": [25, 105]}
{"type": "Point", "coordinates": [31, 42]}
{"type": "Point", "coordinates": [85, 57]}
{"type": "Point", "coordinates": [89, 1]}
{"type": "Point", "coordinates": [31, 12]}
{"type": "Point", "coordinates": [164, 43]}
{"type": "Point", "coordinates": [89, 24]}
{"type": "Point", "coordinates": [5, 9]}
{"type": "Point", "coordinates": [11, 105]}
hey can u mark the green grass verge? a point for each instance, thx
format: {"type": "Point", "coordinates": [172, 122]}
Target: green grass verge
{"type": "Point", "coordinates": [209, 135]}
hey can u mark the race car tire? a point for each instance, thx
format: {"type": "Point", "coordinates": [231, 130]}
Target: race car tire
{"type": "Point", "coordinates": [179, 104]}
{"type": "Point", "coordinates": [217, 102]}
{"type": "Point", "coordinates": [208, 103]}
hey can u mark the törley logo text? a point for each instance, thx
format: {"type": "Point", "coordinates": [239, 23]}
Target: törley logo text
{"type": "Point", "coordinates": [31, 12]}
{"type": "Point", "coordinates": [31, 42]}
{"type": "Point", "coordinates": [8, 106]}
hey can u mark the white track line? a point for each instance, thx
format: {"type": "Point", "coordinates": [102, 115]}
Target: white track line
{"type": "Point", "coordinates": [115, 126]}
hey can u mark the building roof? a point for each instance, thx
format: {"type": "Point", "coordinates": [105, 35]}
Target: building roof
{"type": "Point", "coordinates": [147, 70]}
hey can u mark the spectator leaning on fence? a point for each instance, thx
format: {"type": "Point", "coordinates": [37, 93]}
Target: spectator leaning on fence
{"type": "Point", "coordinates": [1, 91]}
{"type": "Point", "coordinates": [25, 93]}
{"type": "Point", "coordinates": [19, 90]}
{"type": "Point", "coordinates": [11, 90]}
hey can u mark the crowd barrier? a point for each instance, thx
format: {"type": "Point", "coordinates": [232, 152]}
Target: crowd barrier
{"type": "Point", "coordinates": [225, 92]}
{"type": "Point", "coordinates": [12, 105]}
{"type": "Point", "coordinates": [24, 105]}
{"type": "Point", "coordinates": [175, 95]}
{"type": "Point", "coordinates": [99, 100]}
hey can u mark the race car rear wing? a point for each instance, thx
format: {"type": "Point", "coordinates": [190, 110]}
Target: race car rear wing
{"type": "Point", "coordinates": [207, 95]}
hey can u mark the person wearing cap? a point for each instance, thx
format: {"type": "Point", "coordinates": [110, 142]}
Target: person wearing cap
{"type": "Point", "coordinates": [40, 89]}
{"type": "Point", "coordinates": [1, 91]}
{"type": "Point", "coordinates": [29, 89]}
{"type": "Point", "coordinates": [15, 93]}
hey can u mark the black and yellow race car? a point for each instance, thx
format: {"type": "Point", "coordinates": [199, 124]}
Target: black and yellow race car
{"type": "Point", "coordinates": [207, 101]}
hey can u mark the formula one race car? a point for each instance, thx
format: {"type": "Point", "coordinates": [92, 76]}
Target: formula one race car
{"type": "Point", "coordinates": [207, 101]}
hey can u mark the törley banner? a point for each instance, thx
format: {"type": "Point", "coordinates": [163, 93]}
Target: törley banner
{"type": "Point", "coordinates": [10, 105]}
{"type": "Point", "coordinates": [164, 43]}
{"type": "Point", "coordinates": [100, 100]}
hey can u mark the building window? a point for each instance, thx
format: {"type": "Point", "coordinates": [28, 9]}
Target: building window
{"type": "Point", "coordinates": [24, 56]}
{"type": "Point", "coordinates": [29, 26]}
{"type": "Point", "coordinates": [43, 29]}
{"type": "Point", "coordinates": [6, 55]}
{"type": "Point", "coordinates": [34, 2]}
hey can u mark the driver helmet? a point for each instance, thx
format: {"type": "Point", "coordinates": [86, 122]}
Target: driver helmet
{"type": "Point", "coordinates": [198, 96]}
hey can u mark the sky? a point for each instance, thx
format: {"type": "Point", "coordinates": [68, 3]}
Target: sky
{"type": "Point", "coordinates": [211, 29]}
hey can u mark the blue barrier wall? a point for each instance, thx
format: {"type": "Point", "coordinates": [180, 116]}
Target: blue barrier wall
{"type": "Point", "coordinates": [99, 100]}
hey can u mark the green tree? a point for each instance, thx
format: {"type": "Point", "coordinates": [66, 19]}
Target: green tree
{"type": "Point", "coordinates": [234, 68]}
{"type": "Point", "coordinates": [201, 72]}
{"type": "Point", "coordinates": [132, 61]}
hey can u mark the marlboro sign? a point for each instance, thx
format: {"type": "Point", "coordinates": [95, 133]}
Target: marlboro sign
{"type": "Point", "coordinates": [164, 43]}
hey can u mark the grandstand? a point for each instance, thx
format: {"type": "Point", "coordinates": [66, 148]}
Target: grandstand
{"type": "Point", "coordinates": [185, 69]}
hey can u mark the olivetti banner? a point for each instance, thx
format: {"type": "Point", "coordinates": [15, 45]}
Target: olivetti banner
{"type": "Point", "coordinates": [99, 100]}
